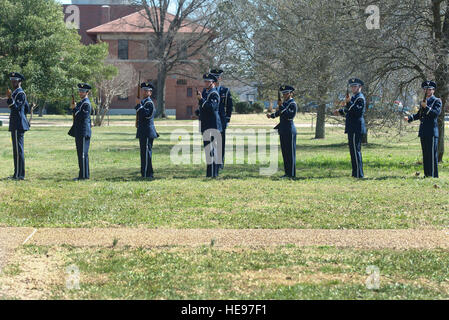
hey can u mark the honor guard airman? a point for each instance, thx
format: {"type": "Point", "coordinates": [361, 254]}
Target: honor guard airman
{"type": "Point", "coordinates": [226, 108]}
{"type": "Point", "coordinates": [82, 131]}
{"type": "Point", "coordinates": [354, 112]}
{"type": "Point", "coordinates": [146, 131]}
{"type": "Point", "coordinates": [428, 114]}
{"type": "Point", "coordinates": [18, 123]}
{"type": "Point", "coordinates": [287, 130]}
{"type": "Point", "coordinates": [210, 122]}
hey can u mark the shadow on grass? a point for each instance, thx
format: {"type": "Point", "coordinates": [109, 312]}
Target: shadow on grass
{"type": "Point", "coordinates": [131, 134]}
{"type": "Point", "coordinates": [341, 146]}
{"type": "Point", "coordinates": [231, 172]}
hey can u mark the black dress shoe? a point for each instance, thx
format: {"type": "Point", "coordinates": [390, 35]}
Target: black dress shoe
{"type": "Point", "coordinates": [11, 178]}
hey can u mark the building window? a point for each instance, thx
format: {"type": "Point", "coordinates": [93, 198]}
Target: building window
{"type": "Point", "coordinates": [189, 111]}
{"type": "Point", "coordinates": [123, 49]}
{"type": "Point", "coordinates": [189, 92]}
{"type": "Point", "coordinates": [181, 82]}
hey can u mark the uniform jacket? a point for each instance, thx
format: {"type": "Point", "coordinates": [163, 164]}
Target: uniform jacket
{"type": "Point", "coordinates": [354, 113]}
{"type": "Point", "coordinates": [146, 112]}
{"type": "Point", "coordinates": [208, 111]}
{"type": "Point", "coordinates": [226, 106]}
{"type": "Point", "coordinates": [287, 114]}
{"type": "Point", "coordinates": [429, 118]}
{"type": "Point", "coordinates": [19, 108]}
{"type": "Point", "coordinates": [82, 124]}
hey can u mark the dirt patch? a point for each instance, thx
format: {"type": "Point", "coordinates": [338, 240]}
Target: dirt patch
{"type": "Point", "coordinates": [31, 276]}
{"type": "Point", "coordinates": [363, 239]}
{"type": "Point", "coordinates": [10, 239]}
{"type": "Point", "coordinates": [250, 281]}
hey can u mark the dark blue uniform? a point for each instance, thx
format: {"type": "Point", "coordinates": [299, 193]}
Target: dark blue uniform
{"type": "Point", "coordinates": [355, 129]}
{"type": "Point", "coordinates": [82, 132]}
{"type": "Point", "coordinates": [225, 111]}
{"type": "Point", "coordinates": [211, 127]}
{"type": "Point", "coordinates": [146, 133]}
{"type": "Point", "coordinates": [429, 134]}
{"type": "Point", "coordinates": [18, 125]}
{"type": "Point", "coordinates": [287, 132]}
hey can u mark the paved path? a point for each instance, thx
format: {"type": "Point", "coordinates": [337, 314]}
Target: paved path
{"type": "Point", "coordinates": [365, 239]}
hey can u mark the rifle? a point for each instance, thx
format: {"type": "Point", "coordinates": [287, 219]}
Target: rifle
{"type": "Point", "coordinates": [420, 107]}
{"type": "Point", "coordinates": [270, 109]}
{"type": "Point", "coordinates": [138, 98]}
{"type": "Point", "coordinates": [3, 87]}
{"type": "Point", "coordinates": [196, 114]}
{"type": "Point", "coordinates": [72, 129]}
{"type": "Point", "coordinates": [347, 96]}
{"type": "Point", "coordinates": [73, 104]}
{"type": "Point", "coordinates": [279, 99]}
{"type": "Point", "coordinates": [342, 103]}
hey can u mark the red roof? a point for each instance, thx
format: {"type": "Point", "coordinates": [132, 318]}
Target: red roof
{"type": "Point", "coordinates": [138, 23]}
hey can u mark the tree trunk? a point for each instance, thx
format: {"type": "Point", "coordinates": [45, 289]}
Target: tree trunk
{"type": "Point", "coordinates": [365, 137]}
{"type": "Point", "coordinates": [441, 34]}
{"type": "Point", "coordinates": [97, 119]}
{"type": "Point", "coordinates": [441, 125]}
{"type": "Point", "coordinates": [320, 131]}
{"type": "Point", "coordinates": [160, 96]}
{"type": "Point", "coordinates": [442, 93]}
{"type": "Point", "coordinates": [41, 109]}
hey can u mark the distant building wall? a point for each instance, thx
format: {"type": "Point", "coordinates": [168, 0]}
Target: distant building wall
{"type": "Point", "coordinates": [102, 2]}
{"type": "Point", "coordinates": [181, 85]}
{"type": "Point", "coordinates": [180, 95]}
{"type": "Point", "coordinates": [94, 15]}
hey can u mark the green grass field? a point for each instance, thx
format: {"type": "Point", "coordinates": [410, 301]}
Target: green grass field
{"type": "Point", "coordinates": [285, 273]}
{"type": "Point", "coordinates": [324, 196]}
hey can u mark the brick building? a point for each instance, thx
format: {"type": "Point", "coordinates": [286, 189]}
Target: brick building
{"type": "Point", "coordinates": [115, 22]}
{"type": "Point", "coordinates": [129, 40]}
{"type": "Point", "coordinates": [120, 24]}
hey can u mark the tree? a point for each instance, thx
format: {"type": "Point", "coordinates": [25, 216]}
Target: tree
{"type": "Point", "coordinates": [411, 46]}
{"type": "Point", "coordinates": [286, 41]}
{"type": "Point", "coordinates": [35, 40]}
{"type": "Point", "coordinates": [177, 40]}
{"type": "Point", "coordinates": [107, 89]}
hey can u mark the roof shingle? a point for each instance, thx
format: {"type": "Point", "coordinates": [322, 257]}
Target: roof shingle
{"type": "Point", "coordinates": [138, 23]}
